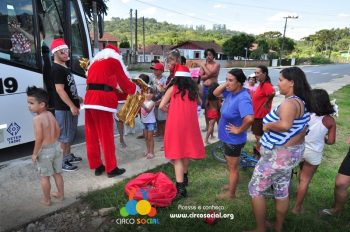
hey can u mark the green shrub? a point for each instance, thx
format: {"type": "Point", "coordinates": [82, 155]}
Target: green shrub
{"type": "Point", "coordinates": [320, 60]}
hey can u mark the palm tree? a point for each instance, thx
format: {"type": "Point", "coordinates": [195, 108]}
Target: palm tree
{"type": "Point", "coordinates": [101, 7]}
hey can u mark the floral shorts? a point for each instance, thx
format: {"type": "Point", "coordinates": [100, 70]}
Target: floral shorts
{"type": "Point", "coordinates": [275, 168]}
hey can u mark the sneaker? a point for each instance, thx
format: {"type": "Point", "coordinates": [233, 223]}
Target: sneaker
{"type": "Point", "coordinates": [116, 172]}
{"type": "Point", "coordinates": [68, 167]}
{"type": "Point", "coordinates": [73, 159]}
{"type": "Point", "coordinates": [99, 170]}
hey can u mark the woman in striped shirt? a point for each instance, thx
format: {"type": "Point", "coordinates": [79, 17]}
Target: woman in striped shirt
{"type": "Point", "coordinates": [282, 146]}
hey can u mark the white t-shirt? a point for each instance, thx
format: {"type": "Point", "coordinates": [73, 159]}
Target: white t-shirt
{"type": "Point", "coordinates": [148, 117]}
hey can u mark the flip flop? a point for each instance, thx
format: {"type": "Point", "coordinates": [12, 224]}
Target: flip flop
{"type": "Point", "coordinates": [327, 212]}
{"type": "Point", "coordinates": [150, 156]}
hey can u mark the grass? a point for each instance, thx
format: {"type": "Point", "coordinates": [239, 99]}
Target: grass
{"type": "Point", "coordinates": [208, 176]}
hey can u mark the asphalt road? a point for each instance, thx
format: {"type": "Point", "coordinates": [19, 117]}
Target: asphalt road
{"type": "Point", "coordinates": [314, 74]}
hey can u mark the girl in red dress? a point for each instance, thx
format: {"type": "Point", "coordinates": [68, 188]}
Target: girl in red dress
{"type": "Point", "coordinates": [182, 138]}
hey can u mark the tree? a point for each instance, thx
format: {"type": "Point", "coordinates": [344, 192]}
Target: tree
{"type": "Point", "coordinates": [262, 49]}
{"type": "Point", "coordinates": [101, 7]}
{"type": "Point", "coordinates": [235, 46]}
{"type": "Point", "coordinates": [288, 44]}
{"type": "Point", "coordinates": [124, 44]}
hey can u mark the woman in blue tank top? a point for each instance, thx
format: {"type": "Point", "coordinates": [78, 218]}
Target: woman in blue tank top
{"type": "Point", "coordinates": [282, 146]}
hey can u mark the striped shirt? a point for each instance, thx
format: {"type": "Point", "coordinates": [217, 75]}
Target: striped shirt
{"type": "Point", "coordinates": [272, 138]}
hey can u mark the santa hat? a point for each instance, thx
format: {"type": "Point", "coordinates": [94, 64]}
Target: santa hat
{"type": "Point", "coordinates": [113, 47]}
{"type": "Point", "coordinates": [182, 71]}
{"type": "Point", "coordinates": [58, 44]}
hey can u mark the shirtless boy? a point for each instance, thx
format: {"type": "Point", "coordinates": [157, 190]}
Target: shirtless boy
{"type": "Point", "coordinates": [46, 153]}
{"type": "Point", "coordinates": [209, 73]}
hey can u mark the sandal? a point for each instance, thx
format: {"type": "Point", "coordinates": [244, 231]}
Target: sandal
{"type": "Point", "coordinates": [327, 212]}
{"type": "Point", "coordinates": [150, 156]}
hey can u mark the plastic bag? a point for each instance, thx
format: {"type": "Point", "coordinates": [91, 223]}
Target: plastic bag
{"type": "Point", "coordinates": [161, 191]}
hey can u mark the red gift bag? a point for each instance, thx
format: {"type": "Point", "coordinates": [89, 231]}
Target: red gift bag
{"type": "Point", "coordinates": [160, 190]}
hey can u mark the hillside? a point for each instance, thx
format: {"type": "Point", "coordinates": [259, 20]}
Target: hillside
{"type": "Point", "coordinates": [167, 33]}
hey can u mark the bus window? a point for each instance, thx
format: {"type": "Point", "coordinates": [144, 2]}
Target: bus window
{"type": "Point", "coordinates": [51, 19]}
{"type": "Point", "coordinates": [77, 46]}
{"type": "Point", "coordinates": [16, 32]}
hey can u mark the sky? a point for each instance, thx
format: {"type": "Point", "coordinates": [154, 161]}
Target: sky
{"type": "Point", "coordinates": [249, 16]}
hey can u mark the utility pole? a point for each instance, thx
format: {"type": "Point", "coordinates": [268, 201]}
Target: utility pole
{"type": "Point", "coordinates": [246, 56]}
{"type": "Point", "coordinates": [131, 42]}
{"type": "Point", "coordinates": [136, 46]}
{"type": "Point", "coordinates": [143, 35]}
{"type": "Point", "coordinates": [94, 12]}
{"type": "Point", "coordinates": [284, 34]}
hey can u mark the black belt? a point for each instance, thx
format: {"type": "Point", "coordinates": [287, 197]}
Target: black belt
{"type": "Point", "coordinates": [99, 87]}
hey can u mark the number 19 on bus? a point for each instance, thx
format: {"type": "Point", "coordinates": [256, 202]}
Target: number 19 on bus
{"type": "Point", "coordinates": [8, 85]}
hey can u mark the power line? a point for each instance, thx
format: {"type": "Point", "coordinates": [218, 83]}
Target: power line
{"type": "Point", "coordinates": [268, 8]}
{"type": "Point", "coordinates": [176, 12]}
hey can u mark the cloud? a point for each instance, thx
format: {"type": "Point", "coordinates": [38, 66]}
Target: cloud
{"type": "Point", "coordinates": [191, 14]}
{"type": "Point", "coordinates": [279, 16]}
{"type": "Point", "coordinates": [149, 12]}
{"type": "Point", "coordinates": [343, 15]}
{"type": "Point", "coordinates": [125, 1]}
{"type": "Point", "coordinates": [220, 6]}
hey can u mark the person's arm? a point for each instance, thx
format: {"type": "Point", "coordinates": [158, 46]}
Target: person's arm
{"type": "Point", "coordinates": [247, 122]}
{"type": "Point", "coordinates": [65, 98]}
{"type": "Point", "coordinates": [220, 89]}
{"type": "Point", "coordinates": [199, 100]}
{"type": "Point", "coordinates": [26, 34]}
{"type": "Point", "coordinates": [57, 129]}
{"type": "Point", "coordinates": [166, 99]}
{"type": "Point", "coordinates": [38, 132]}
{"type": "Point", "coordinates": [207, 74]}
{"type": "Point", "coordinates": [149, 108]}
{"type": "Point", "coordinates": [288, 111]}
{"type": "Point", "coordinates": [330, 124]}
{"type": "Point", "coordinates": [124, 83]}
{"type": "Point", "coordinates": [267, 103]}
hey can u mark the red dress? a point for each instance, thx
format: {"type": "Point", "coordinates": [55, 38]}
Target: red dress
{"type": "Point", "coordinates": [182, 137]}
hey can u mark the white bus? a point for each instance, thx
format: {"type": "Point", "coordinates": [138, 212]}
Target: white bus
{"type": "Point", "coordinates": [27, 28]}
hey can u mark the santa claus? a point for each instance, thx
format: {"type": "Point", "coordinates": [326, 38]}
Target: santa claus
{"type": "Point", "coordinates": [106, 74]}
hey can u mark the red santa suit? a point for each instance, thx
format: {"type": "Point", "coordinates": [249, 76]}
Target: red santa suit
{"type": "Point", "coordinates": [105, 73]}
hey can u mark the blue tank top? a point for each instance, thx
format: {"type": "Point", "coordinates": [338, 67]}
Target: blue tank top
{"type": "Point", "coordinates": [272, 138]}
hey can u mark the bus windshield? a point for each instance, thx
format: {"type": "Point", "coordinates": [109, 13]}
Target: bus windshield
{"type": "Point", "coordinates": [17, 32]}
{"type": "Point", "coordinates": [18, 39]}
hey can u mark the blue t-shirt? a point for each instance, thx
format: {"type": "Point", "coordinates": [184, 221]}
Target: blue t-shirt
{"type": "Point", "coordinates": [235, 108]}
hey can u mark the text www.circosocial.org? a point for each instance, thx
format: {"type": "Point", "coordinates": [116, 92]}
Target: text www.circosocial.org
{"type": "Point", "coordinates": [202, 215]}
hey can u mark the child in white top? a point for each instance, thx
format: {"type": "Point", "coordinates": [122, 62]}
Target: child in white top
{"type": "Point", "coordinates": [322, 129]}
{"type": "Point", "coordinates": [148, 119]}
